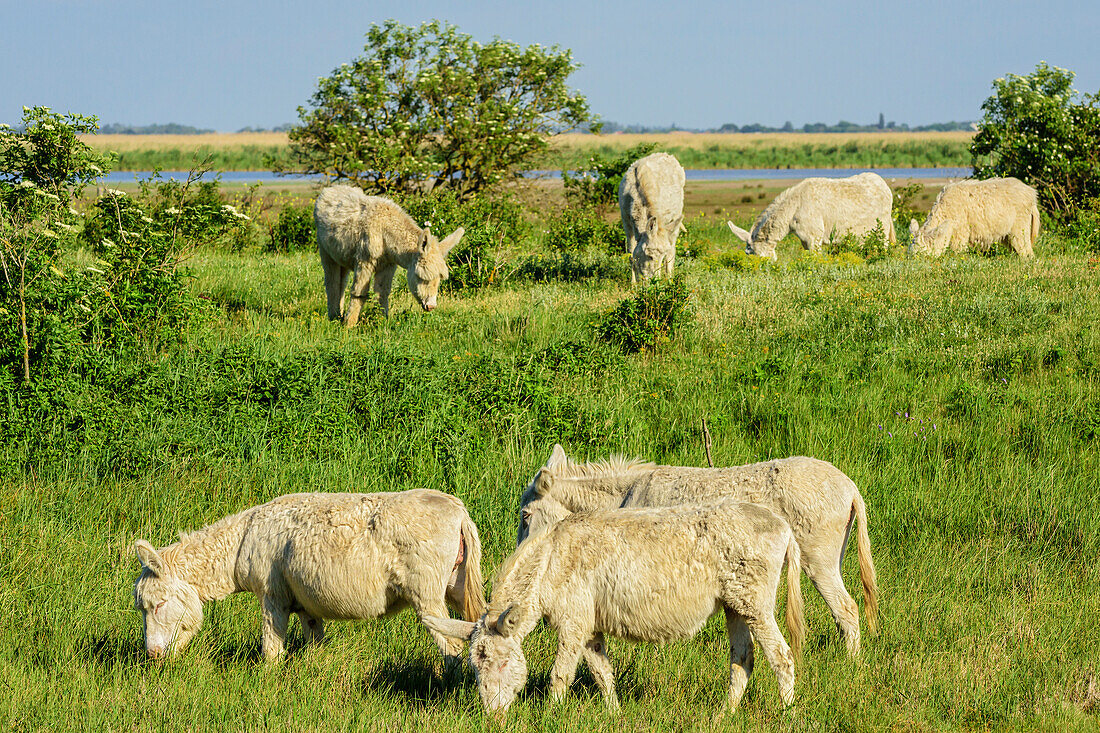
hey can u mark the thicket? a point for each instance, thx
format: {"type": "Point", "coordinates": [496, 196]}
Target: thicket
{"type": "Point", "coordinates": [131, 291]}
{"type": "Point", "coordinates": [650, 318]}
{"type": "Point", "coordinates": [1041, 130]}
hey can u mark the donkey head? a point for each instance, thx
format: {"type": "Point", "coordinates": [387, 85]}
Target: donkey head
{"type": "Point", "coordinates": [496, 654]}
{"type": "Point", "coordinates": [753, 247]}
{"type": "Point", "coordinates": [535, 501]}
{"type": "Point", "coordinates": [431, 266]}
{"type": "Point", "coordinates": [171, 610]}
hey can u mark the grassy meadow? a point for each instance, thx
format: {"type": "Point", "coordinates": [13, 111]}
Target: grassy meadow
{"type": "Point", "coordinates": [247, 151]}
{"type": "Point", "coordinates": [962, 396]}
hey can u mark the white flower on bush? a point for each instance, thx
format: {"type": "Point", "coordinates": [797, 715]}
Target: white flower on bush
{"type": "Point", "coordinates": [115, 192]}
{"type": "Point", "coordinates": [232, 211]}
{"type": "Point", "coordinates": [27, 184]}
{"type": "Point", "coordinates": [172, 210]}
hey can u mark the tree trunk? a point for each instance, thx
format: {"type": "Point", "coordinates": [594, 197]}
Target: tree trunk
{"type": "Point", "coordinates": [23, 324]}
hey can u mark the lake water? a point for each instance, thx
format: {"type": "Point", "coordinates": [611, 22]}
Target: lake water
{"type": "Point", "coordinates": [717, 174]}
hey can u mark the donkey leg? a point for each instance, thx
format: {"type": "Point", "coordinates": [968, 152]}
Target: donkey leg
{"type": "Point", "coordinates": [313, 628]}
{"type": "Point", "coordinates": [383, 281]}
{"type": "Point", "coordinates": [595, 653]}
{"type": "Point", "coordinates": [360, 289]}
{"type": "Point", "coordinates": [776, 651]}
{"type": "Point", "coordinates": [336, 279]}
{"type": "Point", "coordinates": [741, 656]}
{"type": "Point", "coordinates": [451, 649]}
{"type": "Point", "coordinates": [570, 647]}
{"type": "Point", "coordinates": [824, 573]}
{"type": "Point", "coordinates": [276, 617]}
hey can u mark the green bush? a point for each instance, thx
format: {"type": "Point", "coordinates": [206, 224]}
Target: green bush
{"type": "Point", "coordinates": [44, 166]}
{"type": "Point", "coordinates": [1038, 129]}
{"type": "Point", "coordinates": [651, 317]}
{"type": "Point", "coordinates": [577, 229]}
{"type": "Point", "coordinates": [737, 260]}
{"type": "Point", "coordinates": [597, 185]}
{"type": "Point", "coordinates": [492, 223]}
{"type": "Point", "coordinates": [572, 267]}
{"type": "Point", "coordinates": [293, 231]}
{"type": "Point", "coordinates": [872, 246]}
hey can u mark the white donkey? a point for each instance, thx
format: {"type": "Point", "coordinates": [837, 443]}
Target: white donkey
{"type": "Point", "coordinates": [322, 556]}
{"type": "Point", "coordinates": [651, 204]}
{"type": "Point", "coordinates": [645, 575]}
{"type": "Point", "coordinates": [371, 236]}
{"type": "Point", "coordinates": [816, 209]}
{"type": "Point", "coordinates": [814, 497]}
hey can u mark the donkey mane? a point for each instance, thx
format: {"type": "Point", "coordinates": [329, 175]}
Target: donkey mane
{"type": "Point", "coordinates": [615, 466]}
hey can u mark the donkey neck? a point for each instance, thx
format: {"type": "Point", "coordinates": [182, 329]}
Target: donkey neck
{"type": "Point", "coordinates": [596, 491]}
{"type": "Point", "coordinates": [207, 558]}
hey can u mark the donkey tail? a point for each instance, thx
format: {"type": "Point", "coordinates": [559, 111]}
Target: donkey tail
{"type": "Point", "coordinates": [866, 564]}
{"type": "Point", "coordinates": [796, 625]}
{"type": "Point", "coordinates": [473, 585]}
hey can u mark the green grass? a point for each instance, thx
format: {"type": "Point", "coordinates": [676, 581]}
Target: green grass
{"type": "Point", "coordinates": [791, 154]}
{"type": "Point", "coordinates": [982, 372]}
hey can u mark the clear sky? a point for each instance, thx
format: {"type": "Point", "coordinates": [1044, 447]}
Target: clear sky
{"type": "Point", "coordinates": [229, 64]}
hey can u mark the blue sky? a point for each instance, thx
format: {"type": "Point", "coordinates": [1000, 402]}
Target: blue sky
{"type": "Point", "coordinates": [226, 65]}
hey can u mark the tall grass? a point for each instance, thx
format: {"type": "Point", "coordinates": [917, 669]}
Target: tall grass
{"type": "Point", "coordinates": [961, 395]}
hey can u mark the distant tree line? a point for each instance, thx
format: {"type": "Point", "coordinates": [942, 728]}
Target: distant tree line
{"type": "Point", "coordinates": [841, 126]}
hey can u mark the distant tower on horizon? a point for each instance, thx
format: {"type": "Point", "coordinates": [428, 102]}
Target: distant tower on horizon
{"type": "Point", "coordinates": [881, 121]}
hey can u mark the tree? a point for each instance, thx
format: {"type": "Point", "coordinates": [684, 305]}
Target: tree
{"type": "Point", "coordinates": [1040, 130]}
{"type": "Point", "coordinates": [429, 106]}
{"type": "Point", "coordinates": [42, 168]}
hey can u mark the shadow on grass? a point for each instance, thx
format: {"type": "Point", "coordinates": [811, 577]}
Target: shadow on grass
{"type": "Point", "coordinates": [413, 682]}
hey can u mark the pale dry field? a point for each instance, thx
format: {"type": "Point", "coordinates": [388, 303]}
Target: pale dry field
{"type": "Point", "coordinates": [214, 140]}
{"type": "Point", "coordinates": [569, 141]}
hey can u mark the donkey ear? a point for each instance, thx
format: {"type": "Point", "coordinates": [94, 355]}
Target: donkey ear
{"type": "Point", "coordinates": [739, 232]}
{"type": "Point", "coordinates": [557, 457]}
{"type": "Point", "coordinates": [425, 237]}
{"type": "Point", "coordinates": [914, 227]}
{"type": "Point", "coordinates": [452, 240]}
{"type": "Point", "coordinates": [149, 557]}
{"type": "Point", "coordinates": [508, 621]}
{"type": "Point", "coordinates": [450, 627]}
{"type": "Point", "coordinates": [651, 225]}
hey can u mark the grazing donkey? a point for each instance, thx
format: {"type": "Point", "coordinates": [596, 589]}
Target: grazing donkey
{"type": "Point", "coordinates": [817, 208]}
{"type": "Point", "coordinates": [814, 497]}
{"type": "Point", "coordinates": [644, 575]}
{"type": "Point", "coordinates": [651, 204]}
{"type": "Point", "coordinates": [371, 236]}
{"type": "Point", "coordinates": [335, 556]}
{"type": "Point", "coordinates": [979, 214]}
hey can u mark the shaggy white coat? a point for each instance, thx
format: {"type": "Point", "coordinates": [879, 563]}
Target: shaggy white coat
{"type": "Point", "coordinates": [641, 574]}
{"type": "Point", "coordinates": [322, 556]}
{"type": "Point", "coordinates": [980, 214]}
{"type": "Point", "coordinates": [817, 209]}
{"type": "Point", "coordinates": [651, 203]}
{"type": "Point", "coordinates": [818, 501]}
{"type": "Point", "coordinates": [371, 236]}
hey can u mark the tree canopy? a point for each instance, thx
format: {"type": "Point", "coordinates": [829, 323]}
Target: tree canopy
{"type": "Point", "coordinates": [1039, 129]}
{"type": "Point", "coordinates": [429, 106]}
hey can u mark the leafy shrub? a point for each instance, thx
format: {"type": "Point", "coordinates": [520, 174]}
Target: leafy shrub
{"type": "Point", "coordinates": [1085, 227]}
{"type": "Point", "coordinates": [491, 224]}
{"type": "Point", "coordinates": [577, 229]}
{"type": "Point", "coordinates": [737, 260]}
{"type": "Point", "coordinates": [293, 231]}
{"type": "Point", "coordinates": [137, 292]}
{"type": "Point", "coordinates": [43, 167]}
{"type": "Point", "coordinates": [903, 211]}
{"type": "Point", "coordinates": [597, 186]}
{"type": "Point", "coordinates": [572, 267]}
{"type": "Point", "coordinates": [649, 318]}
{"type": "Point", "coordinates": [870, 247]}
{"type": "Point", "coordinates": [1037, 129]}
